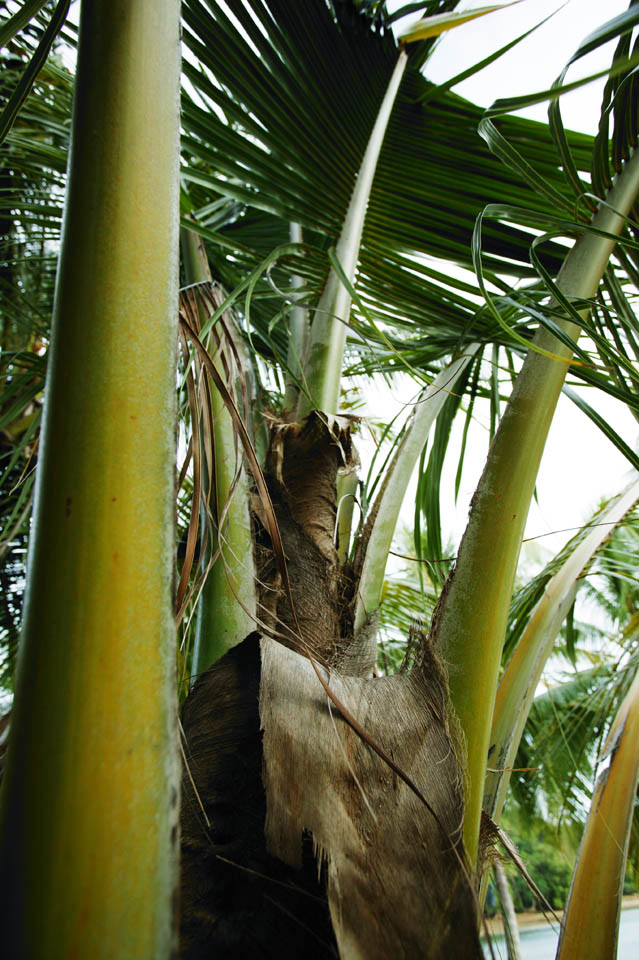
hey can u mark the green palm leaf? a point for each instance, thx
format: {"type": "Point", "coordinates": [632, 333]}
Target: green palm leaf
{"type": "Point", "coordinates": [325, 82]}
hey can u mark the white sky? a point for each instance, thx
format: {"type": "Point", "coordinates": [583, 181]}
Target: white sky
{"type": "Point", "coordinates": [534, 63]}
{"type": "Point", "coordinates": [579, 466]}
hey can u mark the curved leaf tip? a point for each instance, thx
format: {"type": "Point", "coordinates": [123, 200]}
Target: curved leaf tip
{"type": "Point", "coordinates": [440, 22]}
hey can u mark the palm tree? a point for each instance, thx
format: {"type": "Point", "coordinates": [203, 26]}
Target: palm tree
{"type": "Point", "coordinates": [320, 170]}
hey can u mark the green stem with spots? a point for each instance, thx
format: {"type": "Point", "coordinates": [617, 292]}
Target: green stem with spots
{"type": "Point", "coordinates": [89, 804]}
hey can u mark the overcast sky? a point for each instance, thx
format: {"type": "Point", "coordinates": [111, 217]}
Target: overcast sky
{"type": "Point", "coordinates": [535, 62]}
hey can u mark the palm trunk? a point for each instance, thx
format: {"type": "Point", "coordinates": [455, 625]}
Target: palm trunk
{"type": "Point", "coordinates": [511, 930]}
{"type": "Point", "coordinates": [88, 835]}
{"type": "Point", "coordinates": [371, 804]}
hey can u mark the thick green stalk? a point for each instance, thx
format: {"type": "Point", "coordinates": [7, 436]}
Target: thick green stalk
{"type": "Point", "coordinates": [221, 620]}
{"type": "Point", "coordinates": [591, 922]}
{"type": "Point", "coordinates": [328, 331]}
{"type": "Point", "coordinates": [472, 618]}
{"type": "Point", "coordinates": [389, 503]}
{"type": "Point", "coordinates": [89, 806]}
{"type": "Point", "coordinates": [298, 336]}
{"type": "Point", "coordinates": [521, 677]}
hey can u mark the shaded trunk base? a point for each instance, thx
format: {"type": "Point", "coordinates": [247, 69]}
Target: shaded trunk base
{"type": "Point", "coordinates": [394, 881]}
{"type": "Point", "coordinates": [238, 902]}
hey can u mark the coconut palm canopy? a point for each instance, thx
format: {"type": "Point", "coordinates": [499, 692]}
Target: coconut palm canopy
{"type": "Point", "coordinates": [245, 179]}
{"type": "Point", "coordinates": [328, 192]}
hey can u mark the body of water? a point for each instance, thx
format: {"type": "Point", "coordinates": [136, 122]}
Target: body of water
{"type": "Point", "coordinates": [541, 943]}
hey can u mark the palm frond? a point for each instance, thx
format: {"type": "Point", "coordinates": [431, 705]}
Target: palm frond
{"type": "Point", "coordinates": [254, 75]}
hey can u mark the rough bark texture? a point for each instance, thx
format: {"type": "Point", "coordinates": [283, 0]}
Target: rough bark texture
{"type": "Point", "coordinates": [396, 884]}
{"type": "Point", "coordinates": [390, 866]}
{"type": "Point", "coordinates": [301, 471]}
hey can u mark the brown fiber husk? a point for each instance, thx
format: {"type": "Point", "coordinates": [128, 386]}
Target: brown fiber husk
{"type": "Point", "coordinates": [396, 884]}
